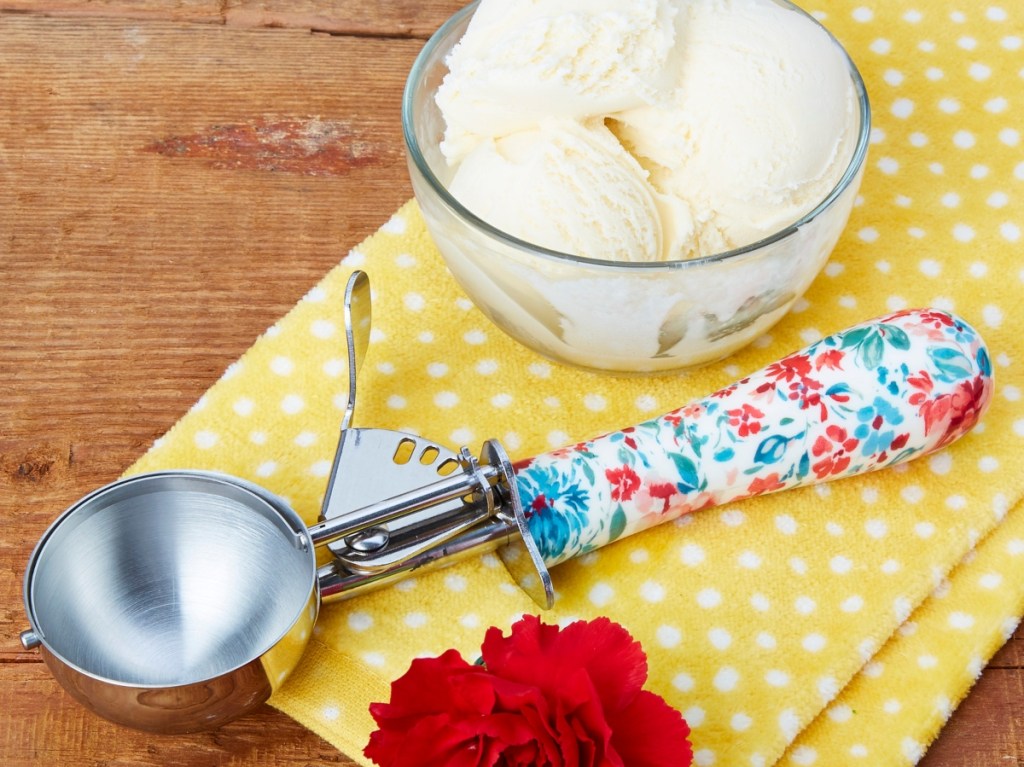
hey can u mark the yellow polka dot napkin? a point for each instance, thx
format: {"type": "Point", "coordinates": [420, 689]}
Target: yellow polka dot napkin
{"type": "Point", "coordinates": [838, 624]}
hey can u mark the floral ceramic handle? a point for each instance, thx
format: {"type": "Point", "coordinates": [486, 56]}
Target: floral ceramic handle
{"type": "Point", "coordinates": [871, 396]}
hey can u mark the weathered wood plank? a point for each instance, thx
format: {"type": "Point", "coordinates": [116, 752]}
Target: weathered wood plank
{"type": "Point", "coordinates": [349, 18]}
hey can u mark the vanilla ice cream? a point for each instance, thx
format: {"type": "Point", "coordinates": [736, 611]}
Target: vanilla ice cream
{"type": "Point", "coordinates": [645, 130]}
{"type": "Point", "coordinates": [621, 143]}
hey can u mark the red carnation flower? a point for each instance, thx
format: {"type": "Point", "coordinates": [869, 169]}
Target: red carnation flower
{"type": "Point", "coordinates": [543, 697]}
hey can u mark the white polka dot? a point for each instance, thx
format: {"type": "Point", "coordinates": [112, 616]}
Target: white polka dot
{"type": "Point", "coordinates": [206, 439]}
{"type": "Point", "coordinates": [912, 750]}
{"type": "Point", "coordinates": [992, 315]}
{"type": "Point", "coordinates": [912, 16]}
{"type": "Point", "coordinates": [760, 603]}
{"type": "Point", "coordinates": [888, 165]}
{"type": "Point", "coordinates": [862, 14]}
{"type": "Point", "coordinates": [930, 267]}
{"type": "Point", "coordinates": [282, 366]}
{"type": "Point", "coordinates": [323, 329]}
{"type": "Point", "coordinates": [682, 682]}
{"type": "Point", "coordinates": [789, 723]}
{"type": "Point", "coordinates": [840, 713]}
{"type": "Point", "coordinates": [964, 139]}
{"type": "Point", "coordinates": [487, 367]}
{"type": "Point", "coordinates": [691, 554]}
{"type": "Point", "coordinates": [979, 71]}
{"type": "Point", "coordinates": [709, 598]}
{"type": "Point", "coordinates": [892, 706]}
{"type": "Point", "coordinates": [740, 722]}
{"type": "Point", "coordinates": [956, 502]}
{"type": "Point", "coordinates": [502, 400]}
{"type": "Point", "coordinates": [704, 757]}
{"type": "Point", "coordinates": [785, 524]}
{"type": "Point", "coordinates": [873, 670]}
{"type": "Point", "coordinates": [876, 528]}
{"type": "Point", "coordinates": [912, 493]}
{"type": "Point", "coordinates": [669, 636]}
{"type": "Point", "coordinates": [901, 608]}
{"type": "Point", "coordinates": [902, 108]}
{"type": "Point", "coordinates": [475, 337]}
{"type": "Point", "coordinates": [601, 594]}
{"type": "Point", "coordinates": [455, 583]}
{"type": "Point", "coordinates": [726, 679]}
{"type": "Point", "coordinates": [375, 659]}
{"type": "Point", "coordinates": [893, 77]}
{"type": "Point", "coordinates": [415, 620]}
{"type": "Point", "coordinates": [803, 756]}
{"type": "Point", "coordinates": [694, 716]}
{"type": "Point", "coordinates": [776, 678]}
{"type": "Point", "coordinates": [394, 225]}
{"type": "Point", "coordinates": [963, 233]}
{"type": "Point", "coordinates": [852, 604]}
{"type": "Point", "coordinates": [720, 638]}
{"type": "Point", "coordinates": [437, 369]}
{"type": "Point", "coordinates": [595, 402]}
{"type": "Point", "coordinates": [840, 565]}
{"type": "Point", "coordinates": [292, 404]}
{"type": "Point", "coordinates": [927, 661]}
{"type": "Point", "coordinates": [645, 403]}
{"type": "Point", "coordinates": [880, 46]}
{"type": "Point", "coordinates": [765, 640]}
{"type": "Point", "coordinates": [360, 621]}
{"type": "Point", "coordinates": [330, 713]}
{"type": "Point", "coordinates": [446, 399]}
{"type": "Point", "coordinates": [798, 565]}
{"type": "Point", "coordinates": [891, 567]}
{"type": "Point", "coordinates": [652, 591]}
{"type": "Point", "coordinates": [949, 105]}
{"type": "Point", "coordinates": [813, 642]}
{"type": "Point", "coordinates": [749, 560]}
{"type": "Point", "coordinates": [321, 468]}
{"type": "Point", "coordinates": [805, 605]}
{"type": "Point", "coordinates": [266, 469]}
{"type": "Point", "coordinates": [244, 406]}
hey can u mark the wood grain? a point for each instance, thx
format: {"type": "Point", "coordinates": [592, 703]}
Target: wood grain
{"type": "Point", "coordinates": [174, 175]}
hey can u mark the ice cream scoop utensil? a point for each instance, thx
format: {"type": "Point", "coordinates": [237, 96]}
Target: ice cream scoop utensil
{"type": "Point", "coordinates": [178, 600]}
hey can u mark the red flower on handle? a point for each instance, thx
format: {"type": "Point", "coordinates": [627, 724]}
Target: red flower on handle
{"type": "Point", "coordinates": [543, 696]}
{"type": "Point", "coordinates": [624, 482]}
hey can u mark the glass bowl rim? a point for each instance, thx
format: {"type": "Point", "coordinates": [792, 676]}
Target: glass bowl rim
{"type": "Point", "coordinates": [444, 32]}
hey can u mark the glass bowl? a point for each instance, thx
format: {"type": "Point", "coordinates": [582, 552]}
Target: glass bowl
{"type": "Point", "coordinates": [626, 317]}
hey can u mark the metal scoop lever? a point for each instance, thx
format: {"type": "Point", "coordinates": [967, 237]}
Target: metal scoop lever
{"type": "Point", "coordinates": [874, 395]}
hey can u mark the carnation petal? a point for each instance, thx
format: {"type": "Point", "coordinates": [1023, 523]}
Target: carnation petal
{"type": "Point", "coordinates": [544, 655]}
{"type": "Point", "coordinates": [650, 733]}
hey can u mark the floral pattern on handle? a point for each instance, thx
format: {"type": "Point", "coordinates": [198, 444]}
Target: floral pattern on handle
{"type": "Point", "coordinates": [871, 396]}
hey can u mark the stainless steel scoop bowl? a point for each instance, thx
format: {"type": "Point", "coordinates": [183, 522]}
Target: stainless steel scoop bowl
{"type": "Point", "coordinates": [178, 600]}
{"type": "Point", "coordinates": [173, 601]}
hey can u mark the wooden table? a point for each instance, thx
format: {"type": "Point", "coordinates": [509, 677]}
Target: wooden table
{"type": "Point", "coordinates": [173, 177]}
